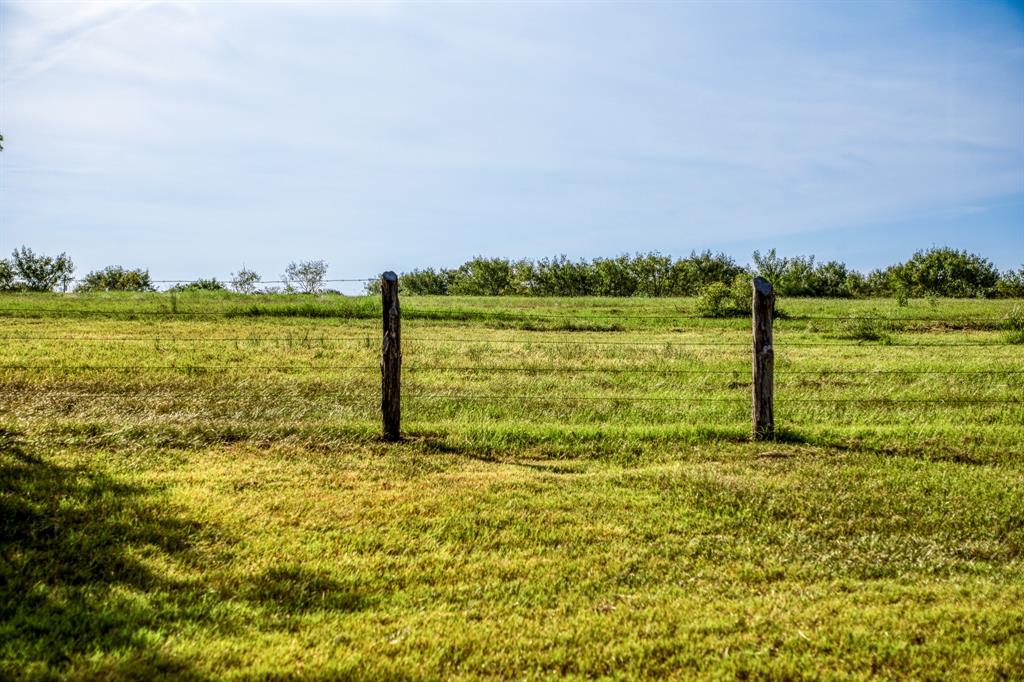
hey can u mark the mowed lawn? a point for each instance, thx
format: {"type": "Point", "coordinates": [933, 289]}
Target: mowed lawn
{"type": "Point", "coordinates": [194, 486]}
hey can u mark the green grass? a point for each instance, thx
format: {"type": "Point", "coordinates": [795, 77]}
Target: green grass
{"type": "Point", "coordinates": [196, 488]}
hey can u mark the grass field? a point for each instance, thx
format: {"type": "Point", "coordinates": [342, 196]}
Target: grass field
{"type": "Point", "coordinates": [194, 486]}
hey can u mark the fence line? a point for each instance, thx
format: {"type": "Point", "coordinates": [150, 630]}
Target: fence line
{"type": "Point", "coordinates": [504, 315]}
{"type": "Point", "coordinates": [761, 383]}
{"type": "Point", "coordinates": [225, 280]}
{"type": "Point", "coordinates": [506, 397]}
{"type": "Point", "coordinates": [561, 342]}
{"type": "Point", "coordinates": [496, 369]}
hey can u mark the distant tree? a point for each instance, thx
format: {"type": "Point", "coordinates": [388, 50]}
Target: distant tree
{"type": "Point", "coordinates": [771, 267]}
{"type": "Point", "coordinates": [939, 272]}
{"type": "Point", "coordinates": [37, 272]}
{"type": "Point", "coordinates": [613, 276]}
{"type": "Point", "coordinates": [832, 279]}
{"type": "Point", "coordinates": [691, 274]}
{"type": "Point", "coordinates": [556, 276]}
{"type": "Point", "coordinates": [945, 272]}
{"type": "Point", "coordinates": [803, 275]}
{"type": "Point", "coordinates": [244, 281]}
{"type": "Point", "coordinates": [306, 276]}
{"type": "Point", "coordinates": [857, 284]}
{"type": "Point", "coordinates": [1011, 284]}
{"type": "Point", "coordinates": [880, 282]}
{"type": "Point", "coordinates": [653, 272]}
{"type": "Point", "coordinates": [797, 277]}
{"type": "Point", "coordinates": [719, 299]}
{"type": "Point", "coordinates": [484, 277]}
{"type": "Point", "coordinates": [428, 282]}
{"type": "Point", "coordinates": [1, 143]}
{"type": "Point", "coordinates": [7, 275]}
{"type": "Point", "coordinates": [116, 278]}
{"type": "Point", "coordinates": [200, 285]}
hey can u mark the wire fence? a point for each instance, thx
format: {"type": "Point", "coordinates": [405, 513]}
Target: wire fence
{"type": "Point", "coordinates": [163, 308]}
{"type": "Point", "coordinates": [55, 361]}
{"type": "Point", "coordinates": [226, 281]}
{"type": "Point", "coordinates": [497, 369]}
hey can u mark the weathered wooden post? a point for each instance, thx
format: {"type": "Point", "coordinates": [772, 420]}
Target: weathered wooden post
{"type": "Point", "coordinates": [763, 311]}
{"type": "Point", "coordinates": [391, 359]}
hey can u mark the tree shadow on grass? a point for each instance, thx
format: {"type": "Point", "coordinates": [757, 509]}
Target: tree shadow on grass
{"type": "Point", "coordinates": [296, 590]}
{"type": "Point", "coordinates": [70, 574]}
{"type": "Point", "coordinates": [76, 588]}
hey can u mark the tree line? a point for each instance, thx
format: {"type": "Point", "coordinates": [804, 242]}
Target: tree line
{"type": "Point", "coordinates": [26, 270]}
{"type": "Point", "coordinates": [933, 272]}
{"type": "Point", "coordinates": [715, 276]}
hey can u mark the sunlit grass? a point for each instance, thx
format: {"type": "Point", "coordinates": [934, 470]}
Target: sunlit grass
{"type": "Point", "coordinates": [197, 488]}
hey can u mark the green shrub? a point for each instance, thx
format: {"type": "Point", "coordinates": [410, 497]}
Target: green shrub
{"type": "Point", "coordinates": [428, 282]}
{"type": "Point", "coordinates": [802, 276]}
{"type": "Point", "coordinates": [557, 276]}
{"type": "Point", "coordinates": [741, 294]}
{"type": "Point", "coordinates": [116, 278]}
{"type": "Point", "coordinates": [714, 301]}
{"type": "Point", "coordinates": [945, 272]}
{"type": "Point", "coordinates": [200, 285]}
{"type": "Point", "coordinates": [483, 277]}
{"type": "Point", "coordinates": [721, 300]}
{"type": "Point", "coordinates": [691, 274]}
{"type": "Point", "coordinates": [1011, 284]}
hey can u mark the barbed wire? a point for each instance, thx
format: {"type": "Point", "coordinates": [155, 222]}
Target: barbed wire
{"type": "Point", "coordinates": [568, 398]}
{"type": "Point", "coordinates": [698, 399]}
{"type": "Point", "coordinates": [782, 343]}
{"type": "Point", "coordinates": [182, 367]}
{"type": "Point", "coordinates": [652, 370]}
{"type": "Point", "coordinates": [690, 315]}
{"type": "Point", "coordinates": [171, 314]}
{"type": "Point", "coordinates": [504, 368]}
{"type": "Point", "coordinates": [189, 339]}
{"type": "Point", "coordinates": [466, 314]}
{"type": "Point", "coordinates": [499, 398]}
{"type": "Point", "coordinates": [227, 280]}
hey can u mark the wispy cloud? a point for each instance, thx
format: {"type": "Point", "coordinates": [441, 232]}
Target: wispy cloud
{"type": "Point", "coordinates": [512, 129]}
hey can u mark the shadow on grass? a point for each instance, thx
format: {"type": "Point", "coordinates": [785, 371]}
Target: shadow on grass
{"type": "Point", "coordinates": [69, 571]}
{"type": "Point", "coordinates": [80, 587]}
{"type": "Point", "coordinates": [634, 449]}
{"type": "Point", "coordinates": [296, 590]}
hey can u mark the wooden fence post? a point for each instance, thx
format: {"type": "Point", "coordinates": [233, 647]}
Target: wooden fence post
{"type": "Point", "coordinates": [391, 358]}
{"type": "Point", "coordinates": [763, 311]}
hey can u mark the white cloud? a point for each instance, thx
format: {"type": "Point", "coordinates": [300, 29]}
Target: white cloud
{"type": "Point", "coordinates": [565, 127]}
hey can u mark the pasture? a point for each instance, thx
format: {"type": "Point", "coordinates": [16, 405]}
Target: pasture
{"type": "Point", "coordinates": [194, 485]}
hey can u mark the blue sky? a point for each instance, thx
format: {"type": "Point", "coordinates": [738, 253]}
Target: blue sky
{"type": "Point", "coordinates": [190, 138]}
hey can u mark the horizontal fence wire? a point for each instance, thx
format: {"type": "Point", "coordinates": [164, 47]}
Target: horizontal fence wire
{"type": "Point", "coordinates": [186, 367]}
{"type": "Point", "coordinates": [500, 369]}
{"type": "Point", "coordinates": [565, 342]}
{"type": "Point", "coordinates": [189, 339]}
{"type": "Point", "coordinates": [525, 315]}
{"type": "Point", "coordinates": [505, 397]}
{"type": "Point", "coordinates": [694, 316]}
{"type": "Point", "coordinates": [653, 370]}
{"type": "Point", "coordinates": [704, 399]}
{"type": "Point", "coordinates": [227, 280]}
